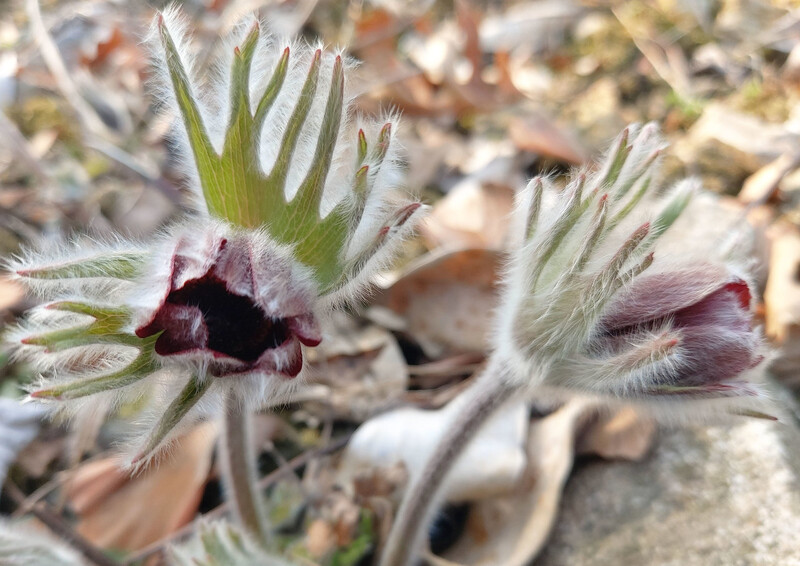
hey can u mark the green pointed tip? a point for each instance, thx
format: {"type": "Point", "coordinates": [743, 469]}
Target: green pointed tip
{"type": "Point", "coordinates": [537, 186]}
{"type": "Point", "coordinates": [671, 212]}
{"type": "Point", "coordinates": [46, 394]}
{"type": "Point", "coordinates": [619, 156]}
{"type": "Point", "coordinates": [271, 92]}
{"type": "Point", "coordinates": [142, 366]}
{"type": "Point", "coordinates": [754, 414]}
{"type": "Point", "coordinates": [205, 157]}
{"type": "Point", "coordinates": [178, 408]}
{"type": "Point", "coordinates": [114, 265]}
{"type": "Point", "coordinates": [295, 124]}
{"type": "Point", "coordinates": [362, 147]}
{"type": "Point", "coordinates": [240, 122]}
{"type": "Point", "coordinates": [309, 195]}
{"type": "Point", "coordinates": [384, 139]}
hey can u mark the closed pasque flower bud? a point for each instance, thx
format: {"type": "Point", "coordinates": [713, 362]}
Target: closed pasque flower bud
{"type": "Point", "coordinates": [296, 210]}
{"type": "Point", "coordinates": [591, 304]}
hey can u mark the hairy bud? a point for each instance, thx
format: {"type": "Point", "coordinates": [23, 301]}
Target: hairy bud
{"type": "Point", "coordinates": [296, 211]}
{"type": "Point", "coordinates": [591, 305]}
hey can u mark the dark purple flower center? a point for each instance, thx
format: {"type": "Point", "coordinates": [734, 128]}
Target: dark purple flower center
{"type": "Point", "coordinates": [204, 314]}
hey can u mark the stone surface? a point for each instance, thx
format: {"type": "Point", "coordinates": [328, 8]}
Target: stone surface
{"type": "Point", "coordinates": [706, 496]}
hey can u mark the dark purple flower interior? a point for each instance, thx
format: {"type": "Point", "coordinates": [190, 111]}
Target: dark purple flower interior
{"type": "Point", "coordinates": [203, 314]}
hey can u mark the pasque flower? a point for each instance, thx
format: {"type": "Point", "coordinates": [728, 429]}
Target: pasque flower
{"type": "Point", "coordinates": [591, 304]}
{"type": "Point", "coordinates": [296, 209]}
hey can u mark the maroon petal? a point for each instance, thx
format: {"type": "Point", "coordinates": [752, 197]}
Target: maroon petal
{"type": "Point", "coordinates": [652, 297]}
{"type": "Point", "coordinates": [182, 327]}
{"type": "Point", "coordinates": [709, 354]}
{"type": "Point", "coordinates": [306, 329]}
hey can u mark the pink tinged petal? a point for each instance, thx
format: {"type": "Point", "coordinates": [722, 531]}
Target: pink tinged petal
{"type": "Point", "coordinates": [306, 329]}
{"type": "Point", "coordinates": [183, 326]}
{"type": "Point", "coordinates": [711, 354]}
{"type": "Point", "coordinates": [233, 266]}
{"type": "Point", "coordinates": [651, 297]}
{"type": "Point", "coordinates": [295, 365]}
{"type": "Point", "coordinates": [706, 309]}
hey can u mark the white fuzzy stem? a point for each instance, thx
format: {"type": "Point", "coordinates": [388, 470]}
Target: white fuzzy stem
{"type": "Point", "coordinates": [239, 469]}
{"type": "Point", "coordinates": [423, 495]}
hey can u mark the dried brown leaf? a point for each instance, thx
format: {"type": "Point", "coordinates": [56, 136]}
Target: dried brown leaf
{"type": "Point", "coordinates": [129, 513]}
{"type": "Point", "coordinates": [625, 434]}
{"type": "Point", "coordinates": [472, 215]}
{"type": "Point", "coordinates": [539, 134]}
{"type": "Point", "coordinates": [447, 300]}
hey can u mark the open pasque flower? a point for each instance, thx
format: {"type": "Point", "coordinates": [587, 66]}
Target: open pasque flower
{"type": "Point", "coordinates": [592, 305]}
{"type": "Point", "coordinates": [296, 211]}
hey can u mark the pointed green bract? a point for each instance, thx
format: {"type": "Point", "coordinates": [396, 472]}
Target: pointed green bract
{"type": "Point", "coordinates": [105, 329]}
{"type": "Point", "coordinates": [143, 365]}
{"type": "Point", "coordinates": [671, 212]}
{"type": "Point", "coordinates": [234, 185]}
{"type": "Point", "coordinates": [115, 265]}
{"type": "Point", "coordinates": [173, 414]}
{"type": "Point", "coordinates": [620, 155]}
{"type": "Point", "coordinates": [362, 148]}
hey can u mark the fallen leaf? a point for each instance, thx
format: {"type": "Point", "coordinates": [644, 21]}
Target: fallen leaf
{"type": "Point", "coordinates": [491, 464]}
{"type": "Point", "coordinates": [128, 513]}
{"type": "Point", "coordinates": [472, 215]}
{"type": "Point", "coordinates": [320, 538]}
{"type": "Point", "coordinates": [536, 133]}
{"type": "Point", "coordinates": [11, 293]}
{"type": "Point", "coordinates": [361, 366]}
{"type": "Point", "coordinates": [625, 434]}
{"type": "Point", "coordinates": [782, 299]}
{"type": "Point", "coordinates": [19, 424]}
{"type": "Point", "coordinates": [761, 185]}
{"type": "Point", "coordinates": [447, 300]}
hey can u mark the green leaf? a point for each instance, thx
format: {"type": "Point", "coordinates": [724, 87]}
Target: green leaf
{"type": "Point", "coordinates": [223, 544]}
{"type": "Point", "coordinates": [142, 365]}
{"type": "Point", "coordinates": [618, 157]}
{"type": "Point", "coordinates": [117, 265]}
{"type": "Point", "coordinates": [182, 404]}
{"type": "Point", "coordinates": [105, 329]}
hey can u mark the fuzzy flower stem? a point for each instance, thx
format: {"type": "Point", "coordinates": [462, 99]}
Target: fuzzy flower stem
{"type": "Point", "coordinates": [239, 469]}
{"type": "Point", "coordinates": [484, 398]}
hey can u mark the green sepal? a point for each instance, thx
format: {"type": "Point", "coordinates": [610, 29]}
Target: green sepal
{"type": "Point", "coordinates": [240, 74]}
{"type": "Point", "coordinates": [271, 93]}
{"type": "Point", "coordinates": [619, 156]}
{"type": "Point", "coordinates": [362, 148]}
{"type": "Point", "coordinates": [563, 225]}
{"type": "Point", "coordinates": [105, 329]}
{"type": "Point", "coordinates": [173, 414]}
{"type": "Point", "coordinates": [234, 186]}
{"type": "Point", "coordinates": [142, 365]}
{"type": "Point", "coordinates": [117, 265]}
{"type": "Point", "coordinates": [671, 212]}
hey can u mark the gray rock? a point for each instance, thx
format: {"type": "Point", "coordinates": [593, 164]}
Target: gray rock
{"type": "Point", "coordinates": [726, 496]}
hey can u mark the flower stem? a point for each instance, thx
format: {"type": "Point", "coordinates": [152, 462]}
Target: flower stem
{"type": "Point", "coordinates": [239, 469]}
{"type": "Point", "coordinates": [424, 493]}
